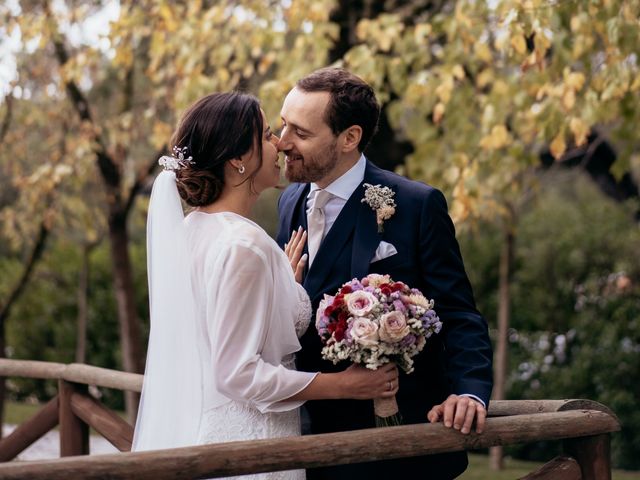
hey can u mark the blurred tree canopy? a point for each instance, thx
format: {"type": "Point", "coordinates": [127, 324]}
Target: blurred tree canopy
{"type": "Point", "coordinates": [575, 330]}
{"type": "Point", "coordinates": [478, 98]}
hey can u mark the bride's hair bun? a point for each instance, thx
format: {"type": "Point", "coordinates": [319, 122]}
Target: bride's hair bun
{"type": "Point", "coordinates": [217, 128]}
{"type": "Point", "coordinates": [198, 188]}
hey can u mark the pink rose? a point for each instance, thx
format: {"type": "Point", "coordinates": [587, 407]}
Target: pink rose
{"type": "Point", "coordinates": [364, 332]}
{"type": "Point", "coordinates": [360, 303]}
{"type": "Point", "coordinates": [393, 327]}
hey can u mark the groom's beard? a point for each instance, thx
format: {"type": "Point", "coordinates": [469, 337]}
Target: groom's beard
{"type": "Point", "coordinates": [312, 168]}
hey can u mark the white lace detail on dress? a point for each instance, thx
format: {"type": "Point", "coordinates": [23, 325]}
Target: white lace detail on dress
{"type": "Point", "coordinates": [303, 319]}
{"type": "Point", "coordinates": [236, 421]}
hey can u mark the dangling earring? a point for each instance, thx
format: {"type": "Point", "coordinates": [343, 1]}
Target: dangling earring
{"type": "Point", "coordinates": [241, 169]}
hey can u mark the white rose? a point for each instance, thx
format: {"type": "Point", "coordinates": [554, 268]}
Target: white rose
{"type": "Point", "coordinates": [364, 332]}
{"type": "Point", "coordinates": [376, 279]}
{"type": "Point", "coordinates": [393, 327]}
{"type": "Point", "coordinates": [359, 303]}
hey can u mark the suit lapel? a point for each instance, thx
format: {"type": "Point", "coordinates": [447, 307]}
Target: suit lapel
{"type": "Point", "coordinates": [295, 211]}
{"type": "Point", "coordinates": [333, 242]}
{"type": "Point", "coordinates": [365, 241]}
{"type": "Point", "coordinates": [356, 219]}
{"type": "Point", "coordinates": [366, 238]}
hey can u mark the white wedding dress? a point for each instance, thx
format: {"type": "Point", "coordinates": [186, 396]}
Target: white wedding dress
{"type": "Point", "coordinates": [251, 312]}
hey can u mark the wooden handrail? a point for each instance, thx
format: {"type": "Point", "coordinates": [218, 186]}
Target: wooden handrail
{"type": "Point", "coordinates": [502, 408]}
{"type": "Point", "coordinates": [235, 458]}
{"type": "Point", "coordinates": [562, 467]}
{"type": "Point", "coordinates": [73, 372]}
{"type": "Point", "coordinates": [104, 377]}
{"type": "Point", "coordinates": [583, 424]}
{"type": "Point", "coordinates": [29, 431]}
{"type": "Point", "coordinates": [103, 420]}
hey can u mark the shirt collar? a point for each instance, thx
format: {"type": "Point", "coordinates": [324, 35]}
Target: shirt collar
{"type": "Point", "coordinates": [346, 184]}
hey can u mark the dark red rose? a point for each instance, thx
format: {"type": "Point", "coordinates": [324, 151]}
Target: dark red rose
{"type": "Point", "coordinates": [343, 316]}
{"type": "Point", "coordinates": [339, 334]}
{"type": "Point", "coordinates": [386, 289]}
{"type": "Point", "coordinates": [329, 310]}
{"type": "Point", "coordinates": [397, 286]}
{"type": "Point", "coordinates": [346, 289]}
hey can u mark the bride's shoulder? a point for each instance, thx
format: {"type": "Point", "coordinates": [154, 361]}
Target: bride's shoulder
{"type": "Point", "coordinates": [230, 235]}
{"type": "Point", "coordinates": [249, 235]}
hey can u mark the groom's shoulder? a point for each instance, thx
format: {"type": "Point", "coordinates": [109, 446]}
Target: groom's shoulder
{"type": "Point", "coordinates": [289, 192]}
{"type": "Point", "coordinates": [406, 188]}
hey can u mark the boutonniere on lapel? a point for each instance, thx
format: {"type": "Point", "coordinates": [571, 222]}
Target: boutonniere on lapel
{"type": "Point", "coordinates": [380, 199]}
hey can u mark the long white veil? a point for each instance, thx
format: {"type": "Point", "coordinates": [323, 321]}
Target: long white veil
{"type": "Point", "coordinates": [171, 402]}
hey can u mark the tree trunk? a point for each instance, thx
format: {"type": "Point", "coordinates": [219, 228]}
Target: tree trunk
{"type": "Point", "coordinates": [125, 299]}
{"type": "Point", "coordinates": [14, 295]}
{"type": "Point", "coordinates": [83, 294]}
{"type": "Point", "coordinates": [504, 313]}
{"type": "Point", "coordinates": [110, 168]}
{"type": "Point", "coordinates": [3, 384]}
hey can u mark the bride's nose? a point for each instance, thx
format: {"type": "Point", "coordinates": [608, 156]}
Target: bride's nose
{"type": "Point", "coordinates": [274, 140]}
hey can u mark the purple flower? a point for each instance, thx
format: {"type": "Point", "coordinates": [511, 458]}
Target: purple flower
{"type": "Point", "coordinates": [408, 340]}
{"type": "Point", "coordinates": [399, 306]}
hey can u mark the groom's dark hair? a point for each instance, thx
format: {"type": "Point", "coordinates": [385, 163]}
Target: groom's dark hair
{"type": "Point", "coordinates": [353, 101]}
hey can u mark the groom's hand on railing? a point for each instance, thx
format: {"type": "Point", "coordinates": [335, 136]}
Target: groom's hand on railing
{"type": "Point", "coordinates": [459, 412]}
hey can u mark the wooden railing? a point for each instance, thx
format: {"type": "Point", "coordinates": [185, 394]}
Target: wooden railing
{"type": "Point", "coordinates": [583, 425]}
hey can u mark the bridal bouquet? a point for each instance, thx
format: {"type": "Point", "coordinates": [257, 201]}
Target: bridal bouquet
{"type": "Point", "coordinates": [374, 321]}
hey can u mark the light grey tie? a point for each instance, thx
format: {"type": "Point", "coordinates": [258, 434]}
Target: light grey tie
{"type": "Point", "coordinates": [315, 222]}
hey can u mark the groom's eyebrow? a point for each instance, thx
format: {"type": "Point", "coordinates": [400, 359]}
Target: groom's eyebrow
{"type": "Point", "coordinates": [296, 126]}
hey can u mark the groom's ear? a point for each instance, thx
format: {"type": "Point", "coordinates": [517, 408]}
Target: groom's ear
{"type": "Point", "coordinates": [352, 136]}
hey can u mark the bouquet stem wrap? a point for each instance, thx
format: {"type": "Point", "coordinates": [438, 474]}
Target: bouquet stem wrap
{"type": "Point", "coordinates": [386, 411]}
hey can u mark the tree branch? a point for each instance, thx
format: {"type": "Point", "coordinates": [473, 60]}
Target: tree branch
{"type": "Point", "coordinates": [141, 179]}
{"type": "Point", "coordinates": [34, 257]}
{"type": "Point", "coordinates": [106, 164]}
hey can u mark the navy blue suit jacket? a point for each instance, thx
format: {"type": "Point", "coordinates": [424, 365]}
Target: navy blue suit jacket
{"type": "Point", "coordinates": [457, 360]}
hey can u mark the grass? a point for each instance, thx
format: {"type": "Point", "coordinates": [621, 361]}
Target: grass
{"type": "Point", "coordinates": [16, 413]}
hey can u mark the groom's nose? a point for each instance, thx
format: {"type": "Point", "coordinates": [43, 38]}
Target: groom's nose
{"type": "Point", "coordinates": [284, 144]}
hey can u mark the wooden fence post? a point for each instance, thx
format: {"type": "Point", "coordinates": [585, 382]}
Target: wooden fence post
{"type": "Point", "coordinates": [593, 454]}
{"type": "Point", "coordinates": [74, 433]}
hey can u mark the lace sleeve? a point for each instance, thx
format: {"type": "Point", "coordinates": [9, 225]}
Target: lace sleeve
{"type": "Point", "coordinates": [304, 311]}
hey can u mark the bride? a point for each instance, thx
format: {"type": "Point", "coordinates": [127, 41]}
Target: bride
{"type": "Point", "coordinates": [226, 305]}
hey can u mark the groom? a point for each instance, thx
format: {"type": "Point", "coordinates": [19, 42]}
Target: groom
{"type": "Point", "coordinates": [328, 119]}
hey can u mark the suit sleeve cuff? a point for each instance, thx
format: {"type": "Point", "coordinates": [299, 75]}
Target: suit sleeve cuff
{"type": "Point", "coordinates": [478, 399]}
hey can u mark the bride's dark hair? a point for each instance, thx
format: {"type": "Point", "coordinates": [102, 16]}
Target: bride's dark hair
{"type": "Point", "coordinates": [215, 129]}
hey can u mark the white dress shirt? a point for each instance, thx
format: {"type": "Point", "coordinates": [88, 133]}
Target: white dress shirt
{"type": "Point", "coordinates": [341, 189]}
